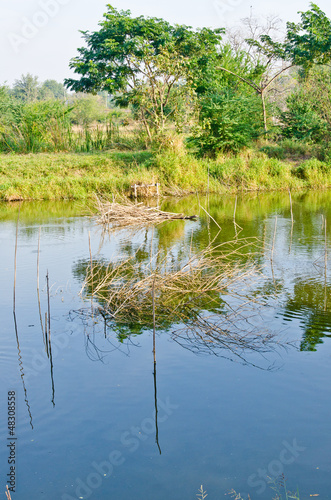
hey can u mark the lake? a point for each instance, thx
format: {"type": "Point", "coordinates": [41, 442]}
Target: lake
{"type": "Point", "coordinates": [85, 421]}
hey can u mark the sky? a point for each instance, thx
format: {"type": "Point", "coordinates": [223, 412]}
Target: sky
{"type": "Point", "coordinates": [41, 36]}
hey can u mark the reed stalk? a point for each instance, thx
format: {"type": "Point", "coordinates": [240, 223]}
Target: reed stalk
{"type": "Point", "coordinates": [15, 260]}
{"type": "Point", "coordinates": [273, 241]}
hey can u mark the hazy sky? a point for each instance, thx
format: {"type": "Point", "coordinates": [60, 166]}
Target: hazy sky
{"type": "Point", "coordinates": [41, 36]}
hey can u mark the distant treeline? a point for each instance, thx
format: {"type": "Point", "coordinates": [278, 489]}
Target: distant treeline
{"type": "Point", "coordinates": [221, 91]}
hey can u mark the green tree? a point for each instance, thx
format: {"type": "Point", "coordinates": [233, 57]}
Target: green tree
{"type": "Point", "coordinates": [309, 42]}
{"type": "Point", "coordinates": [306, 44]}
{"type": "Point", "coordinates": [226, 123]}
{"type": "Point", "coordinates": [51, 89]}
{"type": "Point", "coordinates": [26, 88]}
{"type": "Point", "coordinates": [87, 109]}
{"type": "Point", "coordinates": [144, 62]}
{"type": "Point", "coordinates": [228, 110]}
{"type": "Point", "coordinates": [308, 114]}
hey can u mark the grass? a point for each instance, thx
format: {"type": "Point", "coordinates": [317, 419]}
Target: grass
{"type": "Point", "coordinates": [79, 176]}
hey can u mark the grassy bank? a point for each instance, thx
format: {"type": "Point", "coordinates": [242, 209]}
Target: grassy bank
{"type": "Point", "coordinates": [78, 176]}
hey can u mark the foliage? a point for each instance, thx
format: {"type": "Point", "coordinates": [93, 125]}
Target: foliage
{"type": "Point", "coordinates": [177, 82]}
{"type": "Point", "coordinates": [87, 109]}
{"type": "Point", "coordinates": [306, 43]}
{"type": "Point", "coordinates": [26, 89]}
{"type": "Point", "coordinates": [308, 116]}
{"type": "Point", "coordinates": [145, 62]}
{"type": "Point", "coordinates": [226, 122]}
{"type": "Point", "coordinates": [51, 89]}
{"type": "Point", "coordinates": [35, 126]}
{"type": "Point", "coordinates": [309, 42]}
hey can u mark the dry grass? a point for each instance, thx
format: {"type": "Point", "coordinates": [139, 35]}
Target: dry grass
{"type": "Point", "coordinates": [127, 213]}
{"type": "Point", "coordinates": [8, 493]}
{"type": "Point", "coordinates": [204, 302]}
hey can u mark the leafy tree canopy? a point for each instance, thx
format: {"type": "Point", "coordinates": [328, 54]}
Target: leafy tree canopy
{"type": "Point", "coordinates": [115, 55]}
{"type": "Point", "coordinates": [145, 62]}
{"type": "Point", "coordinates": [26, 88]}
{"type": "Point", "coordinates": [309, 42]}
{"type": "Point", "coordinates": [51, 89]}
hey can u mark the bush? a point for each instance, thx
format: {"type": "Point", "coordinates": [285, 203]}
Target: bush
{"type": "Point", "coordinates": [228, 123]}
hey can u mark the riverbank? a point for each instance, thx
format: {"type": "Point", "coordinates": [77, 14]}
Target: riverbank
{"type": "Point", "coordinates": [78, 176]}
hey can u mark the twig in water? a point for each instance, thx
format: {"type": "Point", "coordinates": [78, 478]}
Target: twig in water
{"type": "Point", "coordinates": [38, 292]}
{"type": "Point", "coordinates": [15, 259]}
{"type": "Point", "coordinates": [49, 305]}
{"type": "Point", "coordinates": [326, 246]}
{"type": "Point", "coordinates": [234, 218]}
{"type": "Point", "coordinates": [153, 300]}
{"type": "Point", "coordinates": [273, 241]}
{"type": "Point", "coordinates": [91, 261]}
{"type": "Point", "coordinates": [156, 411]}
{"type": "Point", "coordinates": [292, 220]}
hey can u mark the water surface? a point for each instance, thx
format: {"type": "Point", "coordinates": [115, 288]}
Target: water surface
{"type": "Point", "coordinates": [85, 422]}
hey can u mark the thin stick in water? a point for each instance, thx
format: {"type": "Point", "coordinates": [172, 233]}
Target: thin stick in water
{"type": "Point", "coordinates": [292, 220]}
{"type": "Point", "coordinates": [273, 241]}
{"type": "Point", "coordinates": [49, 305]}
{"type": "Point", "coordinates": [38, 292]}
{"type": "Point", "coordinates": [289, 192]}
{"type": "Point", "coordinates": [326, 246]}
{"type": "Point", "coordinates": [46, 335]}
{"type": "Point", "coordinates": [154, 329]}
{"type": "Point", "coordinates": [20, 362]}
{"type": "Point", "coordinates": [38, 254]}
{"type": "Point", "coordinates": [15, 259]}
{"type": "Point", "coordinates": [91, 263]}
{"type": "Point", "coordinates": [156, 412]}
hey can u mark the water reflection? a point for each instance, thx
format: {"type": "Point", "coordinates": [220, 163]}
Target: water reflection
{"type": "Point", "coordinates": [310, 303]}
{"type": "Point", "coordinates": [212, 393]}
{"type": "Point", "coordinates": [21, 368]}
{"type": "Point", "coordinates": [281, 223]}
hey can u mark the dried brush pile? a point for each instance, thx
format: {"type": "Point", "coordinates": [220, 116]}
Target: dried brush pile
{"type": "Point", "coordinates": [128, 213]}
{"type": "Point", "coordinates": [203, 301]}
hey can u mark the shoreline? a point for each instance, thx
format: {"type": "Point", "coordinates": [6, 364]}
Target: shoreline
{"type": "Point", "coordinates": [81, 176]}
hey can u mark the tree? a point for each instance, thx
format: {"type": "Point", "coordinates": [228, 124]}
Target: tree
{"type": "Point", "coordinates": [306, 43]}
{"type": "Point", "coordinates": [226, 123]}
{"type": "Point", "coordinates": [51, 89]}
{"type": "Point", "coordinates": [87, 109]}
{"type": "Point", "coordinates": [26, 89]}
{"type": "Point", "coordinates": [308, 112]}
{"type": "Point", "coordinates": [309, 42]}
{"type": "Point", "coordinates": [143, 62]}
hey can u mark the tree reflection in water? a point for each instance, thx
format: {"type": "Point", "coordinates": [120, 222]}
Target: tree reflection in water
{"type": "Point", "coordinates": [205, 299]}
{"type": "Point", "coordinates": [310, 304]}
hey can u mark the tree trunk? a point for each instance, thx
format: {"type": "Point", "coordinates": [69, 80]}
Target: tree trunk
{"type": "Point", "coordinates": [264, 112]}
{"type": "Point", "coordinates": [146, 125]}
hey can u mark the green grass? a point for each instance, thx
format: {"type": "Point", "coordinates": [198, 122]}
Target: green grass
{"type": "Point", "coordinates": [78, 176]}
